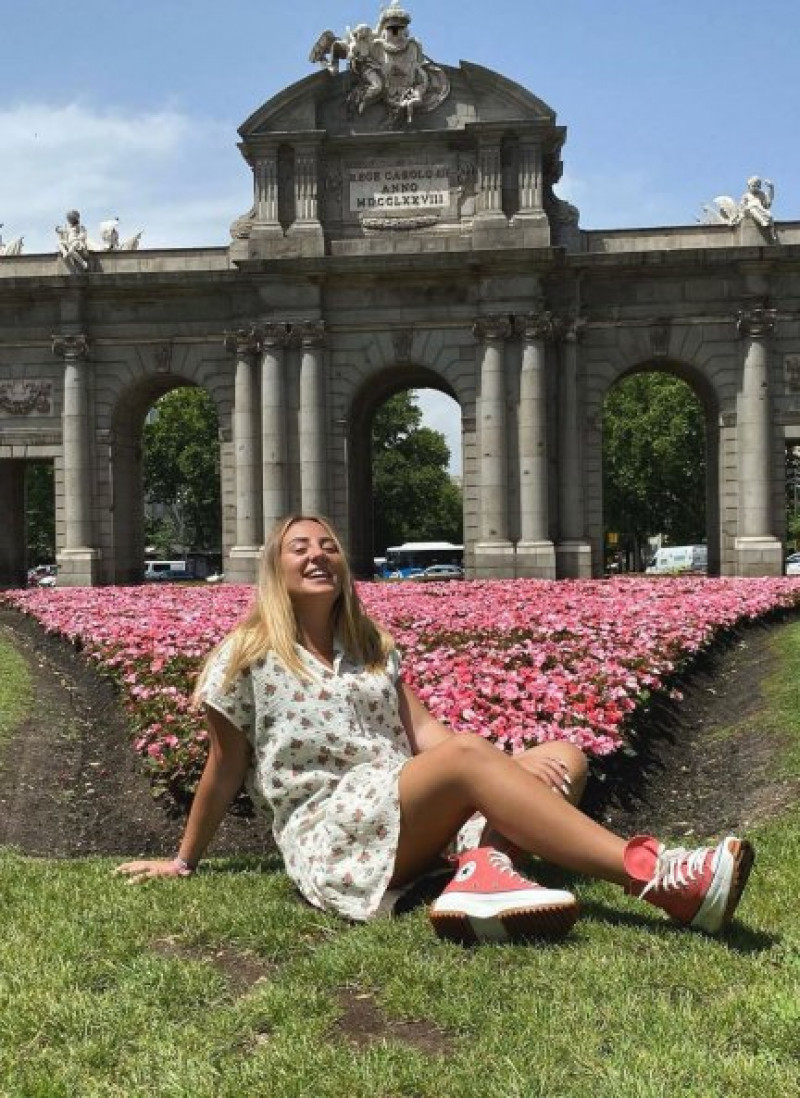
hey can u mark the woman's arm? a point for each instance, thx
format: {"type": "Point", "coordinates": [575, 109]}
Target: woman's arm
{"type": "Point", "coordinates": [228, 759]}
{"type": "Point", "coordinates": [422, 729]}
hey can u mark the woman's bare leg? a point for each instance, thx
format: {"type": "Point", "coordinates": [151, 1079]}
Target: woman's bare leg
{"type": "Point", "coordinates": [561, 766]}
{"type": "Point", "coordinates": [441, 788]}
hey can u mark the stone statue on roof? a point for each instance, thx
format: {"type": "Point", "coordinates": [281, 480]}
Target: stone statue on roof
{"type": "Point", "coordinates": [387, 65]}
{"type": "Point", "coordinates": [755, 203]}
{"type": "Point", "coordinates": [73, 242]}
{"type": "Point", "coordinates": [13, 247]}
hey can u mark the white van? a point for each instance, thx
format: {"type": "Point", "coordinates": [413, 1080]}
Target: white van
{"type": "Point", "coordinates": [678, 558]}
{"type": "Point", "coordinates": [165, 570]}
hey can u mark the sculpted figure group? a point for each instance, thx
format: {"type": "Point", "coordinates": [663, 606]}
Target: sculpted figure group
{"type": "Point", "coordinates": [74, 245]}
{"type": "Point", "coordinates": [14, 247]}
{"type": "Point", "coordinates": [755, 203]}
{"type": "Point", "coordinates": [387, 64]}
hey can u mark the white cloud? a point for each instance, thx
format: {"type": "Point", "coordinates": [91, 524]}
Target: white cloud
{"type": "Point", "coordinates": [166, 173]}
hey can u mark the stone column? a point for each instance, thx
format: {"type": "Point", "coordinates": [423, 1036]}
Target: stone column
{"type": "Point", "coordinates": [758, 550]}
{"type": "Point", "coordinates": [535, 550]}
{"type": "Point", "coordinates": [494, 553]}
{"type": "Point", "coordinates": [245, 344]}
{"type": "Point", "coordinates": [313, 435]}
{"type": "Point", "coordinates": [573, 549]}
{"type": "Point", "coordinates": [275, 495]}
{"type": "Point", "coordinates": [77, 558]}
{"type": "Point", "coordinates": [306, 224]}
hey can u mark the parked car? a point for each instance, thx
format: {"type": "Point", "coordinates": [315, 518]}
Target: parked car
{"type": "Point", "coordinates": [444, 571]}
{"type": "Point", "coordinates": [671, 559]}
{"type": "Point", "coordinates": [43, 575]}
{"type": "Point", "coordinates": [162, 570]}
{"type": "Point", "coordinates": [793, 565]}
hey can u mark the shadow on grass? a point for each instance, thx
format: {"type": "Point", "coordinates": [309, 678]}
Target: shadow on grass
{"type": "Point", "coordinates": [738, 937]}
{"type": "Point", "coordinates": [242, 863]}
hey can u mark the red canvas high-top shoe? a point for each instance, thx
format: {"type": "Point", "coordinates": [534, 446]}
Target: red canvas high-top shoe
{"type": "Point", "coordinates": [699, 888]}
{"type": "Point", "coordinates": [487, 900]}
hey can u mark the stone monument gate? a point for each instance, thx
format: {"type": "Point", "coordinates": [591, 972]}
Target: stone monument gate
{"type": "Point", "coordinates": [404, 233]}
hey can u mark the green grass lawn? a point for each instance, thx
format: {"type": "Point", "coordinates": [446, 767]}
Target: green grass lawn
{"type": "Point", "coordinates": [226, 986]}
{"type": "Point", "coordinates": [15, 689]}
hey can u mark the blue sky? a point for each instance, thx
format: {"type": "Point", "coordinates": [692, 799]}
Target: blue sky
{"type": "Point", "coordinates": [130, 108]}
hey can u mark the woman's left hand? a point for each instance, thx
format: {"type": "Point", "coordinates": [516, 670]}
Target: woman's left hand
{"type": "Point", "coordinates": [553, 772]}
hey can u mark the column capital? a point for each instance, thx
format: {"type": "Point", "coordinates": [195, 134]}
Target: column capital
{"type": "Point", "coordinates": [493, 328]}
{"type": "Point", "coordinates": [72, 347]}
{"type": "Point", "coordinates": [539, 326]}
{"type": "Point", "coordinates": [311, 333]}
{"type": "Point", "coordinates": [755, 321]}
{"type": "Point", "coordinates": [243, 341]}
{"type": "Point", "coordinates": [274, 335]}
{"type": "Point", "coordinates": [573, 329]}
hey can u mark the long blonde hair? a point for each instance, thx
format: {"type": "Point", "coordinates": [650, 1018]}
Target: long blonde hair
{"type": "Point", "coordinates": [271, 626]}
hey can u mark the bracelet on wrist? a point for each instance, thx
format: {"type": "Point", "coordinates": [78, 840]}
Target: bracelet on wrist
{"type": "Point", "coordinates": [184, 868]}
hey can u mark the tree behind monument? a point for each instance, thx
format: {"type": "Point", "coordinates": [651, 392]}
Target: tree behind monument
{"type": "Point", "coordinates": [414, 496]}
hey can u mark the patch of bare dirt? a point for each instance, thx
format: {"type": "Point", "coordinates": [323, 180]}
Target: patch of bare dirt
{"type": "Point", "coordinates": [362, 1023]}
{"type": "Point", "coordinates": [241, 970]}
{"type": "Point", "coordinates": [703, 765]}
{"type": "Point", "coordinates": [70, 783]}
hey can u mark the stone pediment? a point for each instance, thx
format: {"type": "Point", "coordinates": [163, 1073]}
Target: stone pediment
{"type": "Point", "coordinates": [320, 103]}
{"type": "Point", "coordinates": [343, 168]}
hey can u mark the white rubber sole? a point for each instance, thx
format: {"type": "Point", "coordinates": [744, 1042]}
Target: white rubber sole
{"type": "Point", "coordinates": [734, 863]}
{"type": "Point", "coordinates": [504, 917]}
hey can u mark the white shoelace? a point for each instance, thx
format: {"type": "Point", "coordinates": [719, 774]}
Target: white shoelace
{"type": "Point", "coordinates": [676, 869]}
{"type": "Point", "coordinates": [503, 864]}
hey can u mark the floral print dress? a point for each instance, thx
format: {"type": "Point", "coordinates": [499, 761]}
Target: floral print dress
{"type": "Point", "coordinates": [327, 753]}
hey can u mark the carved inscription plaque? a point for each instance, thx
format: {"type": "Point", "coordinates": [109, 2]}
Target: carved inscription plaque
{"type": "Point", "coordinates": [26, 398]}
{"type": "Point", "coordinates": [403, 188]}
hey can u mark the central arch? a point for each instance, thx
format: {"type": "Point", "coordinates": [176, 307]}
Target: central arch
{"type": "Point", "coordinates": [369, 397]}
{"type": "Point", "coordinates": [702, 389]}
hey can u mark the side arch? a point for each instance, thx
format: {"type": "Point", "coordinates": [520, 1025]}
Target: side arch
{"type": "Point", "coordinates": [127, 419]}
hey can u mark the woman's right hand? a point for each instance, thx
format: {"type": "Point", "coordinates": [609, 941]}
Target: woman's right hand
{"type": "Point", "coordinates": [137, 872]}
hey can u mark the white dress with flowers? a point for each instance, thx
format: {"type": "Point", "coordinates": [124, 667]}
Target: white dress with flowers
{"type": "Point", "coordinates": [327, 754]}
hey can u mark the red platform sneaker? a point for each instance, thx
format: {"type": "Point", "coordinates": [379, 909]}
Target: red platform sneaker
{"type": "Point", "coordinates": [488, 901]}
{"type": "Point", "coordinates": [699, 888]}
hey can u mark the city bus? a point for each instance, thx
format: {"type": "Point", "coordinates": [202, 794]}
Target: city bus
{"type": "Point", "coordinates": [413, 557]}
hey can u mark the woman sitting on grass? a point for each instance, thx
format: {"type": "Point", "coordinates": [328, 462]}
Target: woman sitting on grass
{"type": "Point", "coordinates": [367, 790]}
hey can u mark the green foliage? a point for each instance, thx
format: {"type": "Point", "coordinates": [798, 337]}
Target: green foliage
{"type": "Point", "coordinates": [654, 460]}
{"type": "Point", "coordinates": [40, 509]}
{"type": "Point", "coordinates": [793, 496]}
{"type": "Point", "coordinates": [182, 472]}
{"type": "Point", "coordinates": [414, 496]}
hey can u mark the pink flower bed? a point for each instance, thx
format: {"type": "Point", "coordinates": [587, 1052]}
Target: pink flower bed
{"type": "Point", "coordinates": [519, 662]}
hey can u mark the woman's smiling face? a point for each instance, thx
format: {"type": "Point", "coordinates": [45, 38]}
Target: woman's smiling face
{"type": "Point", "coordinates": [311, 561]}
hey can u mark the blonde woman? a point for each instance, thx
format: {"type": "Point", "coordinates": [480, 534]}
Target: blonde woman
{"type": "Point", "coordinates": [366, 789]}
